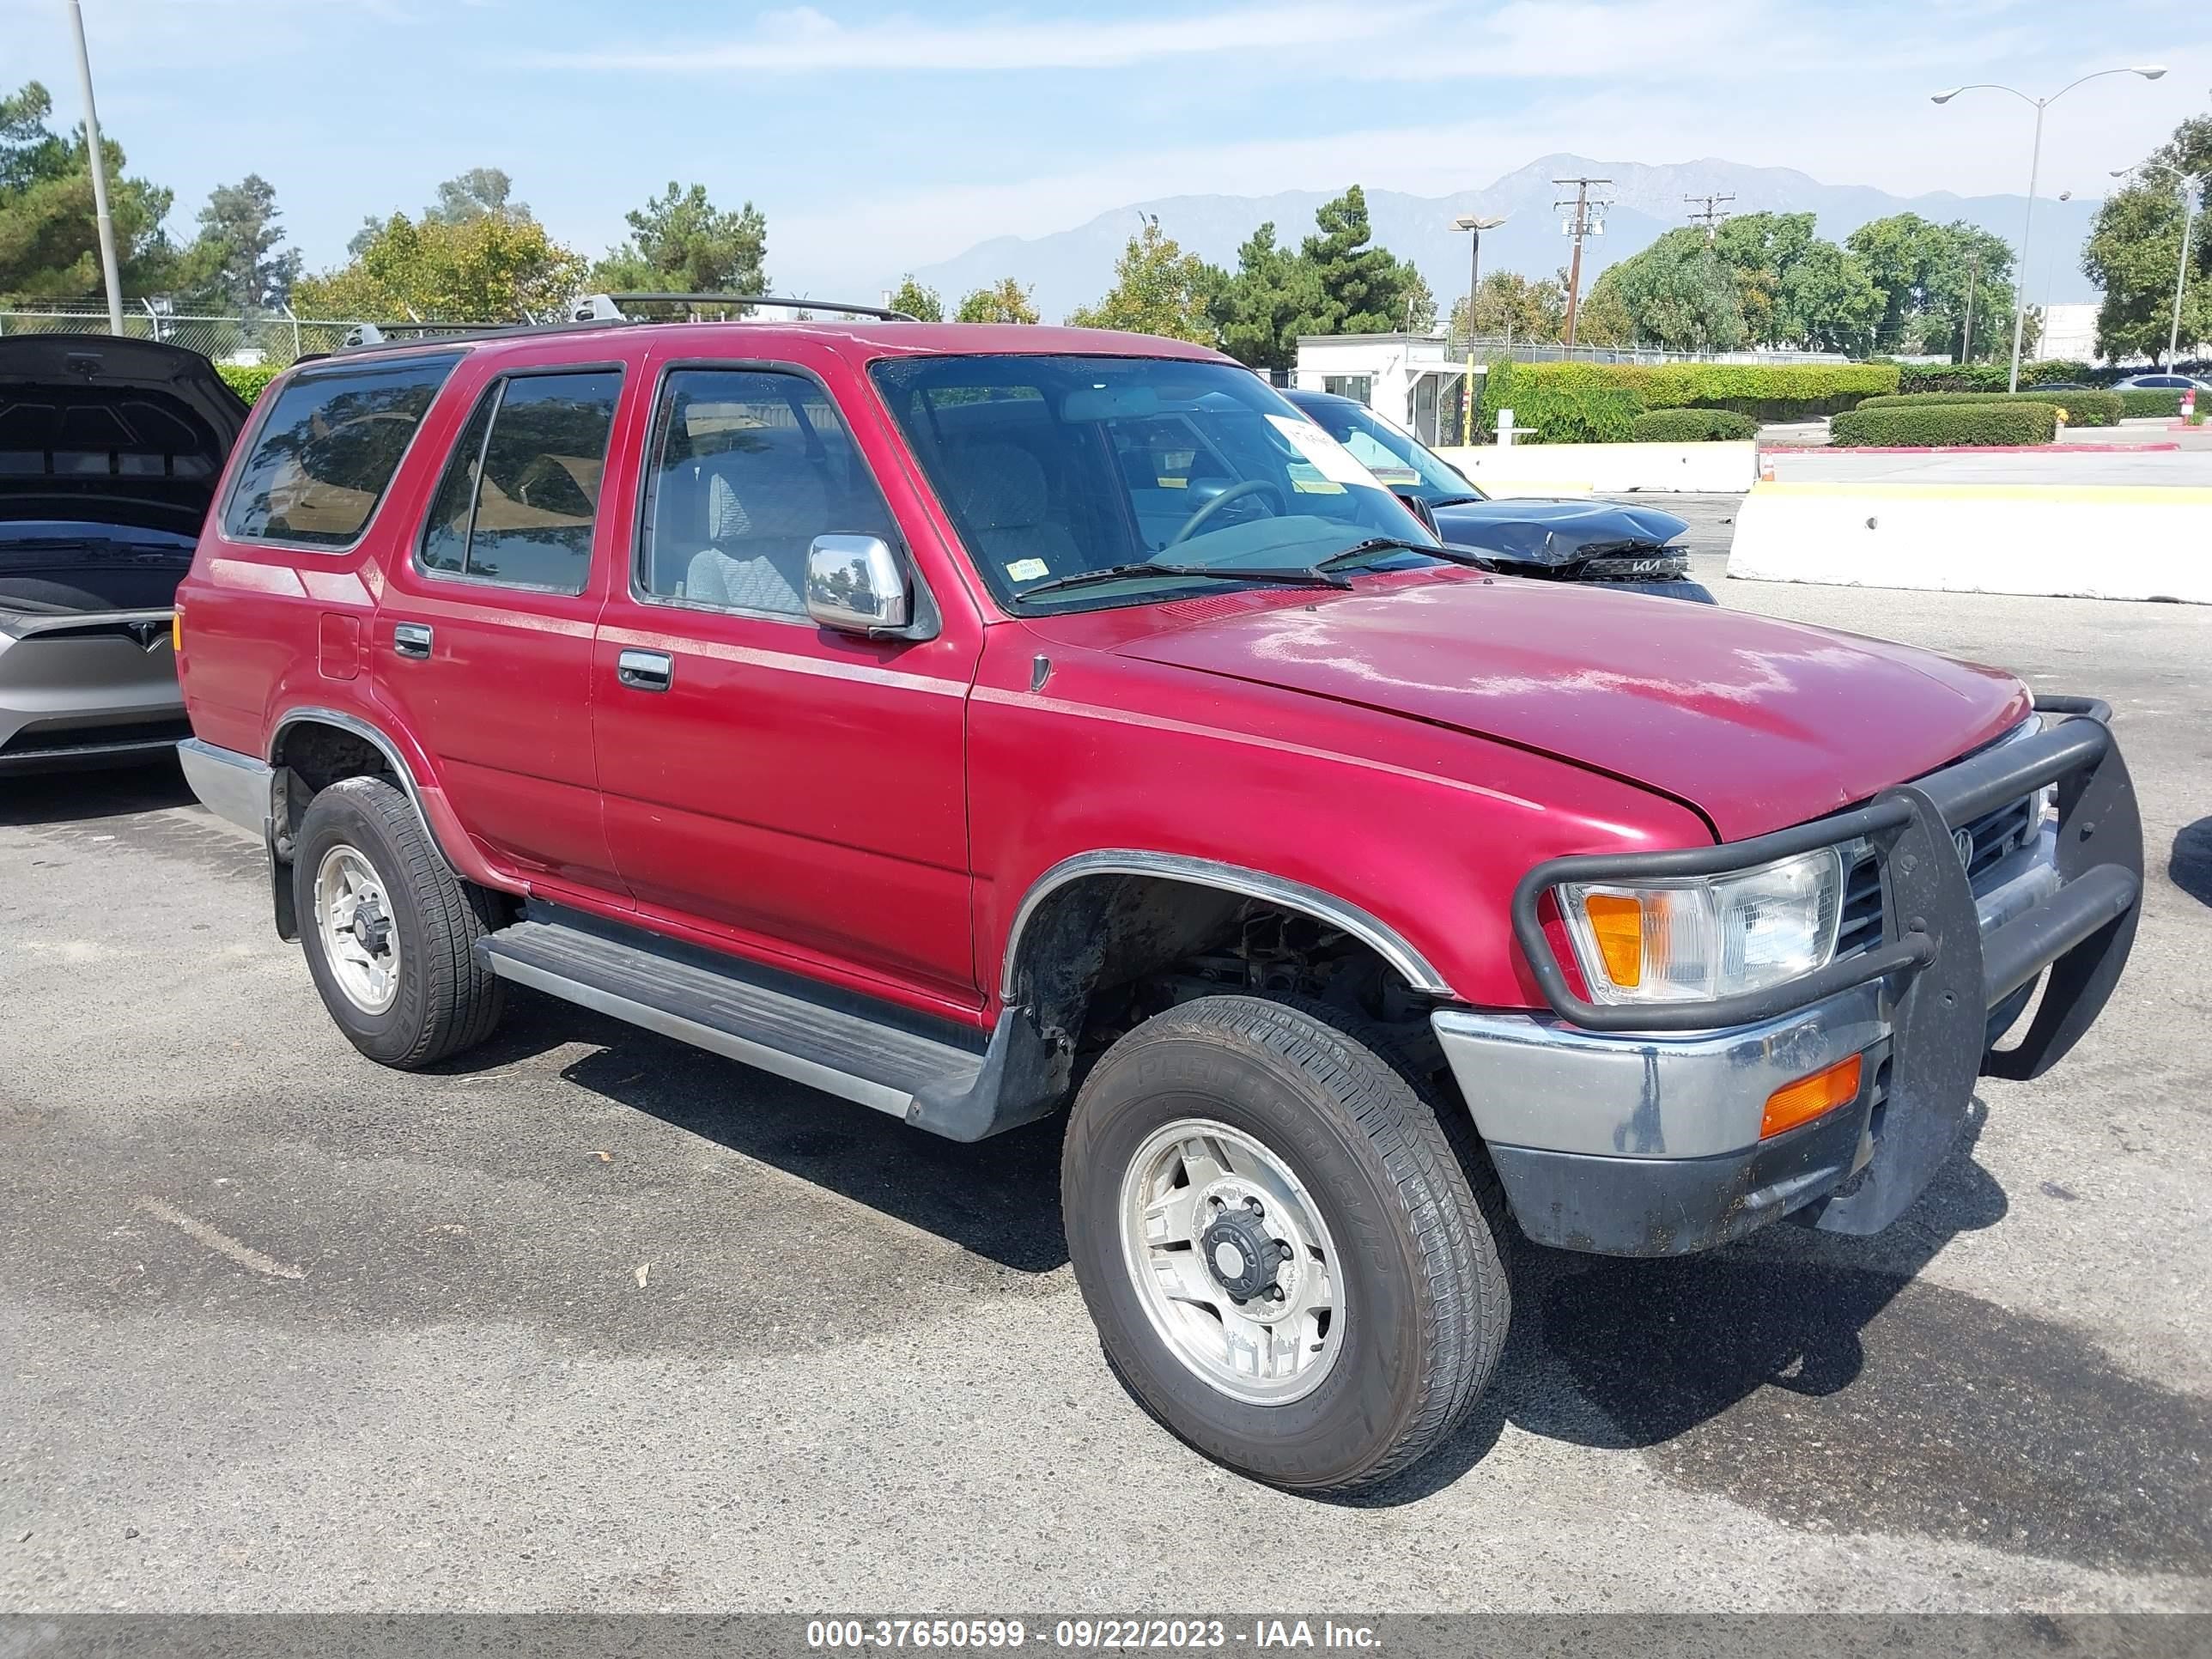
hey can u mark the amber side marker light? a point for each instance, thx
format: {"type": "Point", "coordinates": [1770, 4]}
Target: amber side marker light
{"type": "Point", "coordinates": [1809, 1097]}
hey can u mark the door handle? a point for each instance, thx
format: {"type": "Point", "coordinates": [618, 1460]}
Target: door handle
{"type": "Point", "coordinates": [646, 670]}
{"type": "Point", "coordinates": [411, 640]}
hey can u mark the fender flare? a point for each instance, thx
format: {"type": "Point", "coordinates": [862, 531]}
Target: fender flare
{"type": "Point", "coordinates": [1379, 936]}
{"type": "Point", "coordinates": [354, 725]}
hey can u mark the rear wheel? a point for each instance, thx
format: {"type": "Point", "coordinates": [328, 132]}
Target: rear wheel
{"type": "Point", "coordinates": [1285, 1258]}
{"type": "Point", "coordinates": [389, 931]}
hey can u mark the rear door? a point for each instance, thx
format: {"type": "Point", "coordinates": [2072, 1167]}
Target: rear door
{"type": "Point", "coordinates": [483, 636]}
{"type": "Point", "coordinates": [797, 791]}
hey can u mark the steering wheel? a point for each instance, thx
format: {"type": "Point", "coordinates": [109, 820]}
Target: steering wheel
{"type": "Point", "coordinates": [1235, 492]}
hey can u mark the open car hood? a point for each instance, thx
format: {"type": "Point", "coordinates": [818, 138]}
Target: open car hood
{"type": "Point", "coordinates": [1755, 722]}
{"type": "Point", "coordinates": [1553, 533]}
{"type": "Point", "coordinates": [112, 431]}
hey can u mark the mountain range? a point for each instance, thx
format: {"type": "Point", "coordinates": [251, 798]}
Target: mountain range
{"type": "Point", "coordinates": [1070, 268]}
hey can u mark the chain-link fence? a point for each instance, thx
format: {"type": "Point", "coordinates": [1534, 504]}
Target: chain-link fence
{"type": "Point", "coordinates": [275, 338]}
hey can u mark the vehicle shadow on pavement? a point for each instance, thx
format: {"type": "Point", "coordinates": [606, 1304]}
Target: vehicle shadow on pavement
{"type": "Point", "coordinates": [58, 797]}
{"type": "Point", "coordinates": [1823, 1382]}
{"type": "Point", "coordinates": [984, 1197]}
{"type": "Point", "coordinates": [2190, 866]}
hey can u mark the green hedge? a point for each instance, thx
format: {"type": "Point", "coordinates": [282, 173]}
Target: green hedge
{"type": "Point", "coordinates": [1598, 403]}
{"type": "Point", "coordinates": [2082, 408]}
{"type": "Point", "coordinates": [248, 380]}
{"type": "Point", "coordinates": [1943, 424]}
{"type": "Point", "coordinates": [2151, 401]}
{"type": "Point", "coordinates": [1985, 377]}
{"type": "Point", "coordinates": [1691, 426]}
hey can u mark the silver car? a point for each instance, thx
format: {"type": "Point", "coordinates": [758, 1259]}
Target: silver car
{"type": "Point", "coordinates": [109, 454]}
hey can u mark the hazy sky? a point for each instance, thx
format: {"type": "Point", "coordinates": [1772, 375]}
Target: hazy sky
{"type": "Point", "coordinates": [876, 138]}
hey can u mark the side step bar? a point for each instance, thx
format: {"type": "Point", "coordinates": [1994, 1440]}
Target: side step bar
{"type": "Point", "coordinates": [839, 1051]}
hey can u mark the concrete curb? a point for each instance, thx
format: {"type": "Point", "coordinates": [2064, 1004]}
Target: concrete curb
{"type": "Point", "coordinates": [2079, 541]}
{"type": "Point", "coordinates": [1712, 469]}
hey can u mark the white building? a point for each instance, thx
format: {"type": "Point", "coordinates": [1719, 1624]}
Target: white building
{"type": "Point", "coordinates": [1405, 378]}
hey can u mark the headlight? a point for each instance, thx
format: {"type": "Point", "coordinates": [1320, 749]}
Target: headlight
{"type": "Point", "coordinates": [1699, 938]}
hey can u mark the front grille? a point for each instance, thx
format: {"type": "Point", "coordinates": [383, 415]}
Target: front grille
{"type": "Point", "coordinates": [48, 736]}
{"type": "Point", "coordinates": [1997, 835]}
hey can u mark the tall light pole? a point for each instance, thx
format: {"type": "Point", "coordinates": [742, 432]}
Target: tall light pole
{"type": "Point", "coordinates": [2149, 71]}
{"type": "Point", "coordinates": [98, 158]}
{"type": "Point", "coordinates": [1473, 225]}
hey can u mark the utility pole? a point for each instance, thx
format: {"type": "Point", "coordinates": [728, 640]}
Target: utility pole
{"type": "Point", "coordinates": [97, 158]}
{"type": "Point", "coordinates": [1588, 220]}
{"type": "Point", "coordinates": [1711, 215]}
{"type": "Point", "coordinates": [1974, 269]}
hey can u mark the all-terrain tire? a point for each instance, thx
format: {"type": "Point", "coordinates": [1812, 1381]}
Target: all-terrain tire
{"type": "Point", "coordinates": [1425, 1301]}
{"type": "Point", "coordinates": [446, 1000]}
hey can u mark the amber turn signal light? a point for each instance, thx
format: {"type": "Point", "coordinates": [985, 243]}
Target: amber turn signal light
{"type": "Point", "coordinates": [1810, 1097]}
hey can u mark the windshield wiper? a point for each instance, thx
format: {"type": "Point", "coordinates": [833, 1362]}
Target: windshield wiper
{"type": "Point", "coordinates": [1294, 576]}
{"type": "Point", "coordinates": [1375, 545]}
{"type": "Point", "coordinates": [1459, 501]}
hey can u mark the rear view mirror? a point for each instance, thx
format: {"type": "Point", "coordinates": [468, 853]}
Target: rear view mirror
{"type": "Point", "coordinates": [1421, 510]}
{"type": "Point", "coordinates": [854, 584]}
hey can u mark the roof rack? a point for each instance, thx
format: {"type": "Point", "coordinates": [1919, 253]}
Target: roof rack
{"type": "Point", "coordinates": [608, 307]}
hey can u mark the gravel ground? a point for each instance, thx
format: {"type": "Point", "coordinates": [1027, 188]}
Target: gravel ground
{"type": "Point", "coordinates": [587, 1320]}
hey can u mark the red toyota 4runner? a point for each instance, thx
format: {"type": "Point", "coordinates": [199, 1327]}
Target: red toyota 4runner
{"type": "Point", "coordinates": [978, 723]}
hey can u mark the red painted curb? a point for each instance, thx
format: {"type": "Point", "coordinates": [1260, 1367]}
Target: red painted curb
{"type": "Point", "coordinates": [1967, 449]}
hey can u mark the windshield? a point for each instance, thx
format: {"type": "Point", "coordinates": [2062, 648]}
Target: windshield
{"type": "Point", "coordinates": [1053, 467]}
{"type": "Point", "coordinates": [1395, 458]}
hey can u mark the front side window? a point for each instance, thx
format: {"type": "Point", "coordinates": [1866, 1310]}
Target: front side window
{"type": "Point", "coordinates": [1058, 470]}
{"type": "Point", "coordinates": [520, 494]}
{"type": "Point", "coordinates": [323, 457]}
{"type": "Point", "coordinates": [748, 466]}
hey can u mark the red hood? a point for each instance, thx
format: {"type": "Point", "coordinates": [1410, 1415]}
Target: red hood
{"type": "Point", "coordinates": [1757, 723]}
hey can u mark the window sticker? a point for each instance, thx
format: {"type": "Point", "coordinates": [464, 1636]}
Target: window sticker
{"type": "Point", "coordinates": [1337, 463]}
{"type": "Point", "coordinates": [1306, 479]}
{"type": "Point", "coordinates": [1028, 570]}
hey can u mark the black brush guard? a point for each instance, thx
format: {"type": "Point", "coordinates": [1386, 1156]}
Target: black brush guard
{"type": "Point", "coordinates": [1945, 974]}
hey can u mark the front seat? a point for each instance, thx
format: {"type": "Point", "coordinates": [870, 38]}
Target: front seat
{"type": "Point", "coordinates": [1003, 502]}
{"type": "Point", "coordinates": [761, 537]}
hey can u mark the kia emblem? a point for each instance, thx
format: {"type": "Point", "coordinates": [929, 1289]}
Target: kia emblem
{"type": "Point", "coordinates": [1963, 840]}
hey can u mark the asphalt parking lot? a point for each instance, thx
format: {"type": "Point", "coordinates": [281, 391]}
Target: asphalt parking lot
{"type": "Point", "coordinates": [589, 1319]}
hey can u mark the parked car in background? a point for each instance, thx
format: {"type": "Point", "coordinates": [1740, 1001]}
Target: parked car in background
{"type": "Point", "coordinates": [2163, 382]}
{"type": "Point", "coordinates": [109, 454]}
{"type": "Point", "coordinates": [977, 723]}
{"type": "Point", "coordinates": [1557, 538]}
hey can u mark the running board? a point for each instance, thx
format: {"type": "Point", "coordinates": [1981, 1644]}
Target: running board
{"type": "Point", "coordinates": [839, 1051]}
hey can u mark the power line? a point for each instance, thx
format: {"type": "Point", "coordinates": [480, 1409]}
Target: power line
{"type": "Point", "coordinates": [1587, 219]}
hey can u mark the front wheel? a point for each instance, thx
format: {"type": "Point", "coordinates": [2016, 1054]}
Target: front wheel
{"type": "Point", "coordinates": [1284, 1259]}
{"type": "Point", "coordinates": [389, 931]}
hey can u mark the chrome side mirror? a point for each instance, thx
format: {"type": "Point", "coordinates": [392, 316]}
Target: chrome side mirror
{"type": "Point", "coordinates": [854, 584]}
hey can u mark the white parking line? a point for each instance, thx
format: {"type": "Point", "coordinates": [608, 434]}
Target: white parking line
{"type": "Point", "coordinates": [244, 1255]}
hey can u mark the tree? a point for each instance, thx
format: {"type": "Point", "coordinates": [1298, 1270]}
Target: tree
{"type": "Point", "coordinates": [1506, 303]}
{"type": "Point", "coordinates": [1602, 318]}
{"type": "Point", "coordinates": [1005, 302]}
{"type": "Point", "coordinates": [234, 263]}
{"type": "Point", "coordinates": [2134, 251]}
{"type": "Point", "coordinates": [1679, 294]}
{"type": "Point", "coordinates": [1921, 271]}
{"type": "Point", "coordinates": [917, 301]}
{"type": "Point", "coordinates": [1795, 288]}
{"type": "Point", "coordinates": [1158, 289]}
{"type": "Point", "coordinates": [1259, 312]}
{"type": "Point", "coordinates": [473, 194]}
{"type": "Point", "coordinates": [1363, 287]}
{"type": "Point", "coordinates": [49, 242]}
{"type": "Point", "coordinates": [681, 242]}
{"type": "Point", "coordinates": [493, 268]}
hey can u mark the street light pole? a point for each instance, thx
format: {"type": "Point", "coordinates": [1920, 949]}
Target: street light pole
{"type": "Point", "coordinates": [2149, 71]}
{"type": "Point", "coordinates": [98, 158]}
{"type": "Point", "coordinates": [2191, 189]}
{"type": "Point", "coordinates": [1474, 225]}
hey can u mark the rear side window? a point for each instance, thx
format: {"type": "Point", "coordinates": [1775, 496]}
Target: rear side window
{"type": "Point", "coordinates": [323, 459]}
{"type": "Point", "coordinates": [521, 492]}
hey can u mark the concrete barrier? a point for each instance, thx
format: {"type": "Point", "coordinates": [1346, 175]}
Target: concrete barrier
{"type": "Point", "coordinates": [1523, 469]}
{"type": "Point", "coordinates": [2083, 541]}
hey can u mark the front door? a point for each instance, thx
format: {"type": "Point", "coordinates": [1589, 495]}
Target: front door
{"type": "Point", "coordinates": [483, 636]}
{"type": "Point", "coordinates": [799, 791]}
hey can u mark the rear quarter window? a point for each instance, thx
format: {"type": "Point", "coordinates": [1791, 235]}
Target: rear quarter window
{"type": "Point", "coordinates": [326, 452]}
